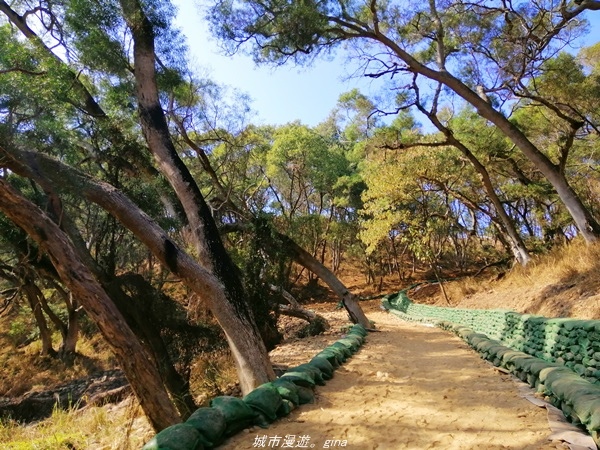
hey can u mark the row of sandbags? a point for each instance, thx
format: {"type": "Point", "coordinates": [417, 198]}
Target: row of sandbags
{"type": "Point", "coordinates": [209, 426]}
{"type": "Point", "coordinates": [491, 322]}
{"type": "Point", "coordinates": [570, 342]}
{"type": "Point", "coordinates": [578, 398]}
{"type": "Point", "coordinates": [559, 357]}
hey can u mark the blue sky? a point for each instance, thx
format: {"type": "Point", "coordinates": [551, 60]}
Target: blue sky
{"type": "Point", "coordinates": [284, 94]}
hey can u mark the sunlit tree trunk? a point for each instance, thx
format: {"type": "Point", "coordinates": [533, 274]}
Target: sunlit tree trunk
{"type": "Point", "coordinates": [141, 373]}
{"type": "Point", "coordinates": [238, 323]}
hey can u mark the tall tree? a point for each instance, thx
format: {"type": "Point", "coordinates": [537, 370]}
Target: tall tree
{"type": "Point", "coordinates": [103, 49]}
{"type": "Point", "coordinates": [469, 47]}
{"type": "Point", "coordinates": [249, 351]}
{"type": "Point", "coordinates": [77, 277]}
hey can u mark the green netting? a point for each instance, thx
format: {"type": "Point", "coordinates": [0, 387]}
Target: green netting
{"type": "Point", "coordinates": [211, 424]}
{"type": "Point", "coordinates": [176, 437]}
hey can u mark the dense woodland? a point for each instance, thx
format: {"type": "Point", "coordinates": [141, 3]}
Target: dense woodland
{"type": "Point", "coordinates": [123, 172]}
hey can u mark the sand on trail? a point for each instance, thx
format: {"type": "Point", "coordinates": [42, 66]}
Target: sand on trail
{"type": "Point", "coordinates": [410, 387]}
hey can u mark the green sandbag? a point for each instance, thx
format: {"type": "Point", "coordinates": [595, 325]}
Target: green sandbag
{"type": "Point", "coordinates": [287, 390]}
{"type": "Point", "coordinates": [569, 386]}
{"type": "Point", "coordinates": [484, 345]}
{"type": "Point", "coordinates": [332, 356]}
{"type": "Point", "coordinates": [475, 338]}
{"type": "Point", "coordinates": [324, 366]}
{"type": "Point", "coordinates": [285, 408]}
{"type": "Point", "coordinates": [264, 399]}
{"type": "Point", "coordinates": [344, 349]}
{"type": "Point", "coordinates": [211, 424]}
{"type": "Point", "coordinates": [593, 422]}
{"type": "Point", "coordinates": [509, 357]}
{"type": "Point", "coordinates": [359, 337]}
{"type": "Point", "coordinates": [522, 363]}
{"type": "Point", "coordinates": [584, 406]}
{"type": "Point", "coordinates": [238, 414]}
{"type": "Point", "coordinates": [305, 379]}
{"type": "Point", "coordinates": [340, 354]}
{"type": "Point", "coordinates": [352, 343]}
{"type": "Point", "coordinates": [305, 395]}
{"type": "Point", "coordinates": [313, 370]}
{"type": "Point", "coordinates": [176, 437]}
{"type": "Point", "coordinates": [359, 329]}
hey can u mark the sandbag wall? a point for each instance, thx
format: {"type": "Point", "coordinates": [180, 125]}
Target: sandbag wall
{"type": "Point", "coordinates": [491, 322]}
{"type": "Point", "coordinates": [559, 357]}
{"type": "Point", "coordinates": [209, 426]}
{"type": "Point", "coordinates": [579, 399]}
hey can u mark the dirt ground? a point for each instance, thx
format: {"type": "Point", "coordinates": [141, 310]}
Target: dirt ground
{"type": "Point", "coordinates": [410, 387]}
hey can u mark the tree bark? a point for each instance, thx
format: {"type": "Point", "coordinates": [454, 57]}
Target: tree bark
{"type": "Point", "coordinates": [142, 375]}
{"type": "Point", "coordinates": [238, 322]}
{"type": "Point", "coordinates": [585, 222]}
{"type": "Point", "coordinates": [248, 355]}
{"type": "Point", "coordinates": [305, 259]}
{"type": "Point", "coordinates": [31, 292]}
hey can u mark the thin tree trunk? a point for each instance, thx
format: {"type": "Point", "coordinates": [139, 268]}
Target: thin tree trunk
{"type": "Point", "coordinates": [31, 292]}
{"type": "Point", "coordinates": [142, 375]}
{"type": "Point", "coordinates": [517, 246]}
{"type": "Point", "coordinates": [68, 347]}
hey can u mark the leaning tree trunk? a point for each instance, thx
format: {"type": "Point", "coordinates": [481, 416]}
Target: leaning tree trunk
{"type": "Point", "coordinates": [585, 222]}
{"type": "Point", "coordinates": [238, 331]}
{"type": "Point", "coordinates": [142, 375]}
{"type": "Point", "coordinates": [507, 225]}
{"type": "Point", "coordinates": [232, 311]}
{"type": "Point", "coordinates": [305, 259]}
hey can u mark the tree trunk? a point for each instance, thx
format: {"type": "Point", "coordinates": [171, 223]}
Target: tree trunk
{"type": "Point", "coordinates": [517, 245]}
{"type": "Point", "coordinates": [134, 313]}
{"type": "Point", "coordinates": [305, 259]}
{"type": "Point", "coordinates": [249, 357]}
{"type": "Point", "coordinates": [68, 347]}
{"type": "Point", "coordinates": [142, 375]}
{"type": "Point", "coordinates": [31, 292]}
{"type": "Point", "coordinates": [247, 347]}
{"type": "Point", "coordinates": [144, 324]}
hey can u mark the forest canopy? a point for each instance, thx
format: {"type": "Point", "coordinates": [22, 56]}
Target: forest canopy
{"type": "Point", "coordinates": [123, 170]}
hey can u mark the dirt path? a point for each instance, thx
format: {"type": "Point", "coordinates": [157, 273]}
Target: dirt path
{"type": "Point", "coordinates": [410, 387]}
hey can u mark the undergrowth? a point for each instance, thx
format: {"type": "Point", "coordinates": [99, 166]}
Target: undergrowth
{"type": "Point", "coordinates": [121, 427]}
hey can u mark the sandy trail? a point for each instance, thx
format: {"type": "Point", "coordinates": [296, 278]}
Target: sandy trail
{"type": "Point", "coordinates": [410, 387]}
